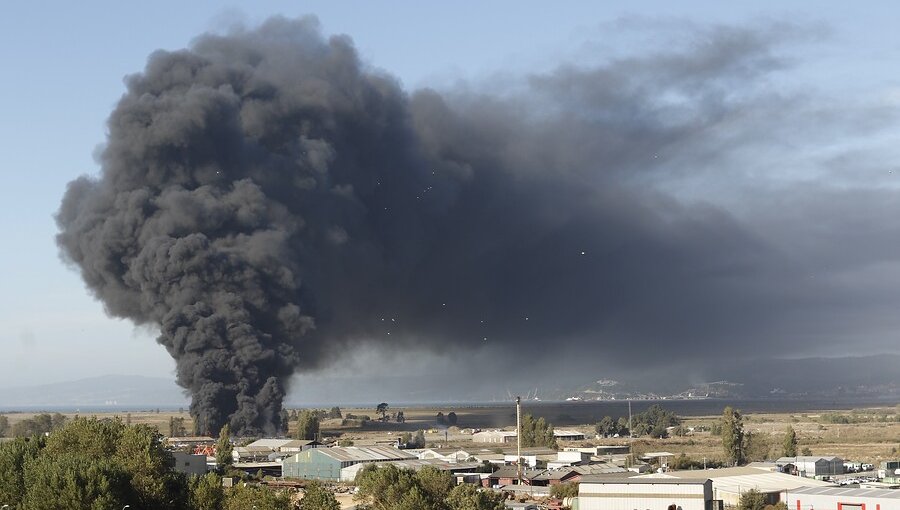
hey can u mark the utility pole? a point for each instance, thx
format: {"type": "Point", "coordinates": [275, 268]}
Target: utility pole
{"type": "Point", "coordinates": [519, 440]}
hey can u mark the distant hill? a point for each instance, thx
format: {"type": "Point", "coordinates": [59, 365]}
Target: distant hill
{"type": "Point", "coordinates": [105, 390]}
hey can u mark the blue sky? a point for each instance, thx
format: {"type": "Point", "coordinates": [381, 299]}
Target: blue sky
{"type": "Point", "coordinates": [64, 63]}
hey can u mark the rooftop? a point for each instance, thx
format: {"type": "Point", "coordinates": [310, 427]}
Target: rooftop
{"type": "Point", "coordinates": [857, 493]}
{"type": "Point", "coordinates": [364, 453]}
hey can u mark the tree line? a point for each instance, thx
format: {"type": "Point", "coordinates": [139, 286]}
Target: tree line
{"type": "Point", "coordinates": [37, 425]}
{"type": "Point", "coordinates": [392, 488]}
{"type": "Point", "coordinates": [653, 422]}
{"type": "Point", "coordinates": [102, 464]}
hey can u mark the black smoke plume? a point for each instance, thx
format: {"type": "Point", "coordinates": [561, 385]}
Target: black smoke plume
{"type": "Point", "coordinates": [266, 200]}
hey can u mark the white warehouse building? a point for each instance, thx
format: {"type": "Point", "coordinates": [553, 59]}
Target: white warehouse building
{"type": "Point", "coordinates": [644, 494]}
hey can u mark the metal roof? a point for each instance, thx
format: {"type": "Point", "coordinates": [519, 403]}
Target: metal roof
{"type": "Point", "coordinates": [852, 492]}
{"type": "Point", "coordinates": [743, 478]}
{"type": "Point", "coordinates": [644, 480]}
{"type": "Point", "coordinates": [274, 443]}
{"type": "Point", "coordinates": [363, 453]}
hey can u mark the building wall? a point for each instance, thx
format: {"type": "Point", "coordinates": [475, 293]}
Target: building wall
{"type": "Point", "coordinates": [834, 502]}
{"type": "Point", "coordinates": [311, 465]}
{"type": "Point", "coordinates": [644, 496]}
{"type": "Point", "coordinates": [190, 464]}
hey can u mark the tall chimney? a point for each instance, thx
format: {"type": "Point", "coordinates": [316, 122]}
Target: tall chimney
{"type": "Point", "coordinates": [519, 439]}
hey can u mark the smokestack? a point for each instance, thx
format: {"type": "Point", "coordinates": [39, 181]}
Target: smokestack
{"type": "Point", "coordinates": [519, 439]}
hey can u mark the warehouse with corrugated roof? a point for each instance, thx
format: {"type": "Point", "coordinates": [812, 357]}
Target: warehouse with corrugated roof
{"type": "Point", "coordinates": [841, 498]}
{"type": "Point", "coordinates": [326, 463]}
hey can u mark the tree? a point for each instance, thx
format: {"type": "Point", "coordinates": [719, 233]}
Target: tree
{"type": "Point", "coordinates": [224, 448]}
{"type": "Point", "coordinates": [73, 482]}
{"type": "Point", "coordinates": [385, 486]}
{"type": "Point", "coordinates": [14, 456]}
{"type": "Point", "coordinates": [307, 425]}
{"type": "Point", "coordinates": [242, 497]}
{"type": "Point", "coordinates": [451, 418]}
{"type": "Point", "coordinates": [564, 490]}
{"type": "Point", "coordinates": [4, 425]}
{"type": "Point", "coordinates": [806, 451]}
{"type": "Point", "coordinates": [400, 417]}
{"type": "Point", "coordinates": [382, 409]}
{"type": "Point", "coordinates": [335, 413]}
{"type": "Point", "coordinates": [435, 484]}
{"type": "Point", "coordinates": [176, 427]}
{"type": "Point", "coordinates": [733, 436]}
{"type": "Point", "coordinates": [317, 497]}
{"type": "Point", "coordinates": [468, 497]}
{"type": "Point", "coordinates": [789, 445]}
{"type": "Point", "coordinates": [205, 492]}
{"type": "Point", "coordinates": [752, 500]}
{"type": "Point", "coordinates": [393, 488]}
{"type": "Point", "coordinates": [607, 427]}
{"type": "Point", "coordinates": [440, 419]}
{"type": "Point", "coordinates": [537, 432]}
{"type": "Point", "coordinates": [654, 421]}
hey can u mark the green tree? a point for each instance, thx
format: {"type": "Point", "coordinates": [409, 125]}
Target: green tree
{"type": "Point", "coordinates": [13, 457]}
{"type": "Point", "coordinates": [205, 492]}
{"type": "Point", "coordinates": [806, 451]}
{"type": "Point", "coordinates": [382, 409]}
{"type": "Point", "coordinates": [436, 484]}
{"type": "Point", "coordinates": [470, 497]}
{"type": "Point", "coordinates": [564, 490]}
{"type": "Point", "coordinates": [537, 432]}
{"type": "Point", "coordinates": [733, 436]}
{"type": "Point", "coordinates": [385, 486]}
{"type": "Point", "coordinates": [307, 425]}
{"type": "Point", "coordinates": [451, 418]}
{"type": "Point", "coordinates": [752, 500]}
{"type": "Point", "coordinates": [4, 425]}
{"type": "Point", "coordinates": [75, 482]}
{"type": "Point", "coordinates": [244, 497]}
{"type": "Point", "coordinates": [224, 448]}
{"type": "Point", "coordinates": [607, 427]}
{"type": "Point", "coordinates": [317, 497]}
{"type": "Point", "coordinates": [400, 417]}
{"type": "Point", "coordinates": [176, 427]}
{"type": "Point", "coordinates": [137, 450]}
{"type": "Point", "coordinates": [414, 499]}
{"type": "Point", "coordinates": [789, 445]}
{"type": "Point", "coordinates": [335, 413]}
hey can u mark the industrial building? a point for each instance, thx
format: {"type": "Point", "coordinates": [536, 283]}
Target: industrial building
{"type": "Point", "coordinates": [889, 471]}
{"type": "Point", "coordinates": [729, 483]}
{"type": "Point", "coordinates": [811, 466]}
{"type": "Point", "coordinates": [270, 449]}
{"type": "Point", "coordinates": [348, 474]}
{"type": "Point", "coordinates": [495, 436]}
{"type": "Point", "coordinates": [840, 498]}
{"type": "Point", "coordinates": [189, 464]}
{"type": "Point", "coordinates": [509, 436]}
{"type": "Point", "coordinates": [644, 494]}
{"type": "Point", "coordinates": [327, 463]}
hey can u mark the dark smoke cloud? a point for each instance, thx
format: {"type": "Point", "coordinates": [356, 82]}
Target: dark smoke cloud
{"type": "Point", "coordinates": [267, 200]}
